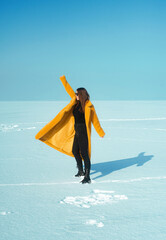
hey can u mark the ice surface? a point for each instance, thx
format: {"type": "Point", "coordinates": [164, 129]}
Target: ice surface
{"type": "Point", "coordinates": [41, 199]}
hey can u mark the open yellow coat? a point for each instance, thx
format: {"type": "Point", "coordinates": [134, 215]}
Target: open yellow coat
{"type": "Point", "coordinates": [59, 132]}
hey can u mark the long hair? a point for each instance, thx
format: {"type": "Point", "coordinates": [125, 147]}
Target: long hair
{"type": "Point", "coordinates": [83, 97]}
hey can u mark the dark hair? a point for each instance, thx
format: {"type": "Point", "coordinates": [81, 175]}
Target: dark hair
{"type": "Point", "coordinates": [83, 97]}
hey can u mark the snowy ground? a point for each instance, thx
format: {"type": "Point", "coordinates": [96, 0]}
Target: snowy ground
{"type": "Point", "coordinates": [40, 199]}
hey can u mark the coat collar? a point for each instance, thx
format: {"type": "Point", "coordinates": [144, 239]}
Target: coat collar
{"type": "Point", "coordinates": [88, 104]}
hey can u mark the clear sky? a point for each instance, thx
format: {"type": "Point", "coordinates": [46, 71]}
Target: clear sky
{"type": "Point", "coordinates": [116, 49]}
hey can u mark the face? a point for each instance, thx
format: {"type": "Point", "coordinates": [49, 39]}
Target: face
{"type": "Point", "coordinates": [77, 97]}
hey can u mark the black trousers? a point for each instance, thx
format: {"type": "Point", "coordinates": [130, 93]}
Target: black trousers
{"type": "Point", "coordinates": [80, 146]}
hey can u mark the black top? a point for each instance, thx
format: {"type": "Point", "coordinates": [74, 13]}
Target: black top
{"type": "Point", "coordinates": [78, 113]}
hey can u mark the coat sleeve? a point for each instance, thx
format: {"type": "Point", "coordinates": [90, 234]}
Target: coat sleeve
{"type": "Point", "coordinates": [96, 123]}
{"type": "Point", "coordinates": [67, 86]}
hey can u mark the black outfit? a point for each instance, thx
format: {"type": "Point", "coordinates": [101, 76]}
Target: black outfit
{"type": "Point", "coordinates": [78, 113]}
{"type": "Point", "coordinates": [80, 143]}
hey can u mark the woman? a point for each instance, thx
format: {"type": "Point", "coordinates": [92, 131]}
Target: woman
{"type": "Point", "coordinates": [70, 131]}
{"type": "Point", "coordinates": [80, 143]}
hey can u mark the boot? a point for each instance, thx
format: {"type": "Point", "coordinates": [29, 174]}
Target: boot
{"type": "Point", "coordinates": [80, 171]}
{"type": "Point", "coordinates": [86, 178]}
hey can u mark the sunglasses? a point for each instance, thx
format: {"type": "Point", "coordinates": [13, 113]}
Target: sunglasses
{"type": "Point", "coordinates": [76, 94]}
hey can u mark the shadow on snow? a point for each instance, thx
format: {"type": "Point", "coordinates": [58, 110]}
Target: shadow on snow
{"type": "Point", "coordinates": [106, 168]}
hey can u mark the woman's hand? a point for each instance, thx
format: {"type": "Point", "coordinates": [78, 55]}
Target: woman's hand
{"type": "Point", "coordinates": [103, 135]}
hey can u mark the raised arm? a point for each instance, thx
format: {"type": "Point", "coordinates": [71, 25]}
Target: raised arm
{"type": "Point", "coordinates": [96, 123]}
{"type": "Point", "coordinates": [67, 86]}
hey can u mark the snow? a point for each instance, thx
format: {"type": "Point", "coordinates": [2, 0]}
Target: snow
{"type": "Point", "coordinates": [41, 199]}
{"type": "Point", "coordinates": [94, 222]}
{"type": "Point", "coordinates": [96, 198]}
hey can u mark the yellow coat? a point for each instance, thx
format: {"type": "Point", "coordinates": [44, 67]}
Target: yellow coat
{"type": "Point", "coordinates": [59, 132]}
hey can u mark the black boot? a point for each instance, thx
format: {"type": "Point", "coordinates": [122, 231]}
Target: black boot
{"type": "Point", "coordinates": [80, 173]}
{"type": "Point", "coordinates": [87, 177]}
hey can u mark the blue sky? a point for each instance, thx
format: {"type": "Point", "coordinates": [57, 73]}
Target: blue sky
{"type": "Point", "coordinates": [115, 49]}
